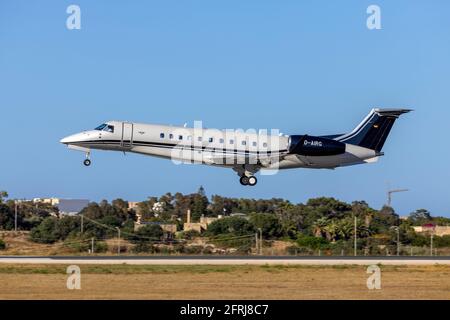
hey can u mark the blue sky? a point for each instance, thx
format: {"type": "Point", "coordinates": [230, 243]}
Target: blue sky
{"type": "Point", "coordinates": [300, 66]}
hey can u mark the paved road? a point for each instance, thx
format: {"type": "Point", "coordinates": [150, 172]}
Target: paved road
{"type": "Point", "coordinates": [226, 260]}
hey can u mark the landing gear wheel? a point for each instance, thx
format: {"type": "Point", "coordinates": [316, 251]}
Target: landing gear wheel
{"type": "Point", "coordinates": [244, 180]}
{"type": "Point", "coordinates": [87, 162]}
{"type": "Point", "coordinates": [252, 181]}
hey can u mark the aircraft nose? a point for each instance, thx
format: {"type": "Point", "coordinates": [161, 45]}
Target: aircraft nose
{"type": "Point", "coordinates": [69, 139]}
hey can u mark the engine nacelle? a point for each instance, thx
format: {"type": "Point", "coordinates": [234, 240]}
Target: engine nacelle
{"type": "Point", "coordinates": [315, 146]}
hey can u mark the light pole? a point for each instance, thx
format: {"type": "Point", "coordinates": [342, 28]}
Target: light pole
{"type": "Point", "coordinates": [118, 244]}
{"type": "Point", "coordinates": [397, 229]}
{"type": "Point", "coordinates": [398, 241]}
{"type": "Point", "coordinates": [431, 244]}
{"type": "Point", "coordinates": [260, 241]}
{"type": "Point", "coordinates": [15, 215]}
{"type": "Point", "coordinates": [256, 244]}
{"type": "Point", "coordinates": [356, 237]}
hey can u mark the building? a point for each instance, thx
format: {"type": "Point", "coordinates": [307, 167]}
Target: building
{"type": "Point", "coordinates": [166, 227]}
{"type": "Point", "coordinates": [65, 206]}
{"type": "Point", "coordinates": [169, 230]}
{"type": "Point", "coordinates": [51, 201]}
{"type": "Point", "coordinates": [432, 229]}
{"type": "Point", "coordinates": [71, 206]}
{"type": "Point", "coordinates": [132, 205]}
{"type": "Point", "coordinates": [240, 215]}
{"type": "Point", "coordinates": [199, 226]}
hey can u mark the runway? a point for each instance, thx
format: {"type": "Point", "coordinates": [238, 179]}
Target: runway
{"type": "Point", "coordinates": [225, 260]}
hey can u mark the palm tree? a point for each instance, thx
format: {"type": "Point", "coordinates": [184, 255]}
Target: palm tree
{"type": "Point", "coordinates": [332, 230]}
{"type": "Point", "coordinates": [345, 229]}
{"type": "Point", "coordinates": [319, 227]}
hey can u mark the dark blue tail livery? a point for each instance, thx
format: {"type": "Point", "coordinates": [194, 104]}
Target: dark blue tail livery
{"type": "Point", "coordinates": [373, 131]}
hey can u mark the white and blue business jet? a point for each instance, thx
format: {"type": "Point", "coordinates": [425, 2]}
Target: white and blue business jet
{"type": "Point", "coordinates": [246, 152]}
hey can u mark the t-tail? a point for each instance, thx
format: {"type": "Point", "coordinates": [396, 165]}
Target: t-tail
{"type": "Point", "coordinates": [373, 131]}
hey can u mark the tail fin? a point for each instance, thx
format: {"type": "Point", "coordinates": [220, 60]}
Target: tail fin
{"type": "Point", "coordinates": [372, 132]}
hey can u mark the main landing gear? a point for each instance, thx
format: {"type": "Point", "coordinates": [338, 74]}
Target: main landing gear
{"type": "Point", "coordinates": [247, 174]}
{"type": "Point", "coordinates": [248, 181]}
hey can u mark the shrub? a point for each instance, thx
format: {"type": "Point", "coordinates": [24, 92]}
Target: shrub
{"type": "Point", "coordinates": [230, 226]}
{"type": "Point", "coordinates": [189, 235]}
{"type": "Point", "coordinates": [193, 249]}
{"type": "Point", "coordinates": [312, 242]}
{"type": "Point", "coordinates": [85, 245]}
{"type": "Point", "coordinates": [46, 232]}
{"type": "Point", "coordinates": [143, 247]}
{"type": "Point", "coordinates": [268, 223]}
{"type": "Point", "coordinates": [301, 251]}
{"type": "Point", "coordinates": [442, 242]}
{"type": "Point", "coordinates": [2, 245]}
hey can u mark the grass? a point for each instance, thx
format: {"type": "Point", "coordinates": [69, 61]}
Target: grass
{"type": "Point", "coordinates": [200, 269]}
{"type": "Point", "coordinates": [119, 269]}
{"type": "Point", "coordinates": [223, 282]}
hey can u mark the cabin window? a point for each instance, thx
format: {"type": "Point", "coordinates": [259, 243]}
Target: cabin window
{"type": "Point", "coordinates": [161, 135]}
{"type": "Point", "coordinates": [244, 143]}
{"type": "Point", "coordinates": [211, 140]}
{"type": "Point", "coordinates": [221, 141]}
{"type": "Point", "coordinates": [189, 138]}
{"type": "Point", "coordinates": [231, 141]}
{"type": "Point", "coordinates": [265, 144]}
{"type": "Point", "coordinates": [171, 136]}
{"type": "Point", "coordinates": [180, 137]}
{"type": "Point", "coordinates": [199, 139]}
{"type": "Point", "coordinates": [254, 143]}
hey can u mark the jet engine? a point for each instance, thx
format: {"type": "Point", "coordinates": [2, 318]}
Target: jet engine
{"type": "Point", "coordinates": [306, 145]}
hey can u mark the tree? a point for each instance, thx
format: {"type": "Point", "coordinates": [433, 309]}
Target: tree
{"type": "Point", "coordinates": [420, 217]}
{"type": "Point", "coordinates": [67, 226]}
{"type": "Point", "coordinates": [121, 205]}
{"type": "Point", "coordinates": [311, 242]}
{"type": "Point", "coordinates": [235, 226]}
{"type": "Point", "coordinates": [201, 191]}
{"type": "Point", "coordinates": [148, 233]}
{"type": "Point", "coordinates": [319, 227]}
{"type": "Point", "coordinates": [218, 205]}
{"type": "Point", "coordinates": [199, 204]}
{"type": "Point", "coordinates": [329, 207]}
{"type": "Point", "coordinates": [3, 195]}
{"type": "Point", "coordinates": [6, 217]}
{"type": "Point", "coordinates": [268, 222]}
{"type": "Point", "coordinates": [332, 230]}
{"type": "Point", "coordinates": [46, 232]}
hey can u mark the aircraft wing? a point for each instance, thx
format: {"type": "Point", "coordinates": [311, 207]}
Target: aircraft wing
{"type": "Point", "coordinates": [233, 160]}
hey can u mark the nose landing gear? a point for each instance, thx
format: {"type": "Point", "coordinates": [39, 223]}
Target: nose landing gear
{"type": "Point", "coordinates": [87, 162]}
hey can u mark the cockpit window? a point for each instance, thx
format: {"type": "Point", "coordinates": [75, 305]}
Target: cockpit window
{"type": "Point", "coordinates": [101, 127]}
{"type": "Point", "coordinates": [105, 127]}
